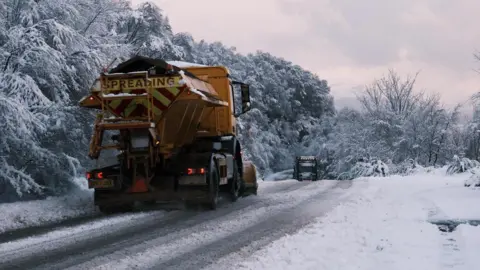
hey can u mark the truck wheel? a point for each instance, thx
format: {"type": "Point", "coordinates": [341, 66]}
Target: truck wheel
{"type": "Point", "coordinates": [235, 184]}
{"type": "Point", "coordinates": [213, 188]}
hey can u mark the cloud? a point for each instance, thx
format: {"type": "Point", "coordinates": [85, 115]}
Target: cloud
{"type": "Point", "coordinates": [436, 37]}
{"type": "Point", "coordinates": [349, 42]}
{"type": "Point", "coordinates": [247, 24]}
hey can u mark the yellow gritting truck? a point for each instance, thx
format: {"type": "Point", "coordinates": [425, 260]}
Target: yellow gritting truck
{"type": "Point", "coordinates": [173, 133]}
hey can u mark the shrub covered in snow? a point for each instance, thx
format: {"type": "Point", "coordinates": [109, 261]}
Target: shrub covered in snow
{"type": "Point", "coordinates": [474, 178]}
{"type": "Point", "coordinates": [460, 165]}
{"type": "Point", "coordinates": [408, 167]}
{"type": "Point", "coordinates": [372, 168]}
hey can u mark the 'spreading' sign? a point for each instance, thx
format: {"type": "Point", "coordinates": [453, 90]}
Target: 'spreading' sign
{"type": "Point", "coordinates": [140, 83]}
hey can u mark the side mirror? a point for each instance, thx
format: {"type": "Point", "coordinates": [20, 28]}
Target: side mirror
{"type": "Point", "coordinates": [246, 105]}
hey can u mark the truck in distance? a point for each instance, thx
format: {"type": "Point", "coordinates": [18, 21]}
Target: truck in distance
{"type": "Point", "coordinates": [305, 168]}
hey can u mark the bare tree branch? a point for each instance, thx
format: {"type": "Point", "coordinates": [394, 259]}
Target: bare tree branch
{"type": "Point", "coordinates": [391, 93]}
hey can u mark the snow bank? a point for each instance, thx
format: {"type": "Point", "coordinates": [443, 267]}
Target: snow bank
{"type": "Point", "coordinates": [384, 227]}
{"type": "Point", "coordinates": [283, 175]}
{"type": "Point", "coordinates": [20, 215]}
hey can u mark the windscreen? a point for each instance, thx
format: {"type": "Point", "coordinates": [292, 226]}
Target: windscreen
{"type": "Point", "coordinates": [306, 166]}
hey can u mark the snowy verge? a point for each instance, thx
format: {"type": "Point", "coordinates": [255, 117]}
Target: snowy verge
{"type": "Point", "coordinates": [283, 175]}
{"type": "Point", "coordinates": [383, 227]}
{"type": "Point", "coordinates": [26, 214]}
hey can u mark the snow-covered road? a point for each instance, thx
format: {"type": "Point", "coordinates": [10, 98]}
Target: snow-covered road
{"type": "Point", "coordinates": [175, 239]}
{"type": "Point", "coordinates": [386, 225]}
{"type": "Point", "coordinates": [368, 223]}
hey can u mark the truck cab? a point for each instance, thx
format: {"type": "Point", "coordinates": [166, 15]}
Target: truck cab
{"type": "Point", "coordinates": [305, 168]}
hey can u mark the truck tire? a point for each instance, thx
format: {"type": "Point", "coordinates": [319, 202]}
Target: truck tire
{"type": "Point", "coordinates": [213, 187]}
{"type": "Point", "coordinates": [235, 184]}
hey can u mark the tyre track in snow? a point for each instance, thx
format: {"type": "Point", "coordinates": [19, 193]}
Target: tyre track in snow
{"type": "Point", "coordinates": [452, 255]}
{"type": "Point", "coordinates": [207, 244]}
{"type": "Point", "coordinates": [31, 231]}
{"type": "Point", "coordinates": [261, 234]}
{"type": "Point", "coordinates": [16, 234]}
{"type": "Point", "coordinates": [108, 239]}
{"type": "Point", "coordinates": [283, 186]}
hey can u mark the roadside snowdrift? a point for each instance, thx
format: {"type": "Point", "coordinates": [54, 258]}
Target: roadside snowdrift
{"type": "Point", "coordinates": [384, 227]}
{"type": "Point", "coordinates": [21, 215]}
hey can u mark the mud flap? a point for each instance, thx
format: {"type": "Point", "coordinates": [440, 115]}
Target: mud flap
{"type": "Point", "coordinates": [197, 183]}
{"type": "Point", "coordinates": [139, 185]}
{"type": "Point", "coordinates": [250, 184]}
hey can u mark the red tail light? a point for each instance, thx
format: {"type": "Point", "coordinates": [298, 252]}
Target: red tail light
{"type": "Point", "coordinates": [100, 175]}
{"type": "Point", "coordinates": [191, 171]}
{"type": "Point", "coordinates": [88, 175]}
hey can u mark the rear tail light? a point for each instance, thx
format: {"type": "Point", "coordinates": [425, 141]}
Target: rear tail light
{"type": "Point", "coordinates": [94, 175]}
{"type": "Point", "coordinates": [193, 171]}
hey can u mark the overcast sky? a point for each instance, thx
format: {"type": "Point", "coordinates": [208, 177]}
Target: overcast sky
{"type": "Point", "coordinates": [348, 42]}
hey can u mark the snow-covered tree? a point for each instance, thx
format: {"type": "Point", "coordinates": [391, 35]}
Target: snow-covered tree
{"type": "Point", "coordinates": [396, 125]}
